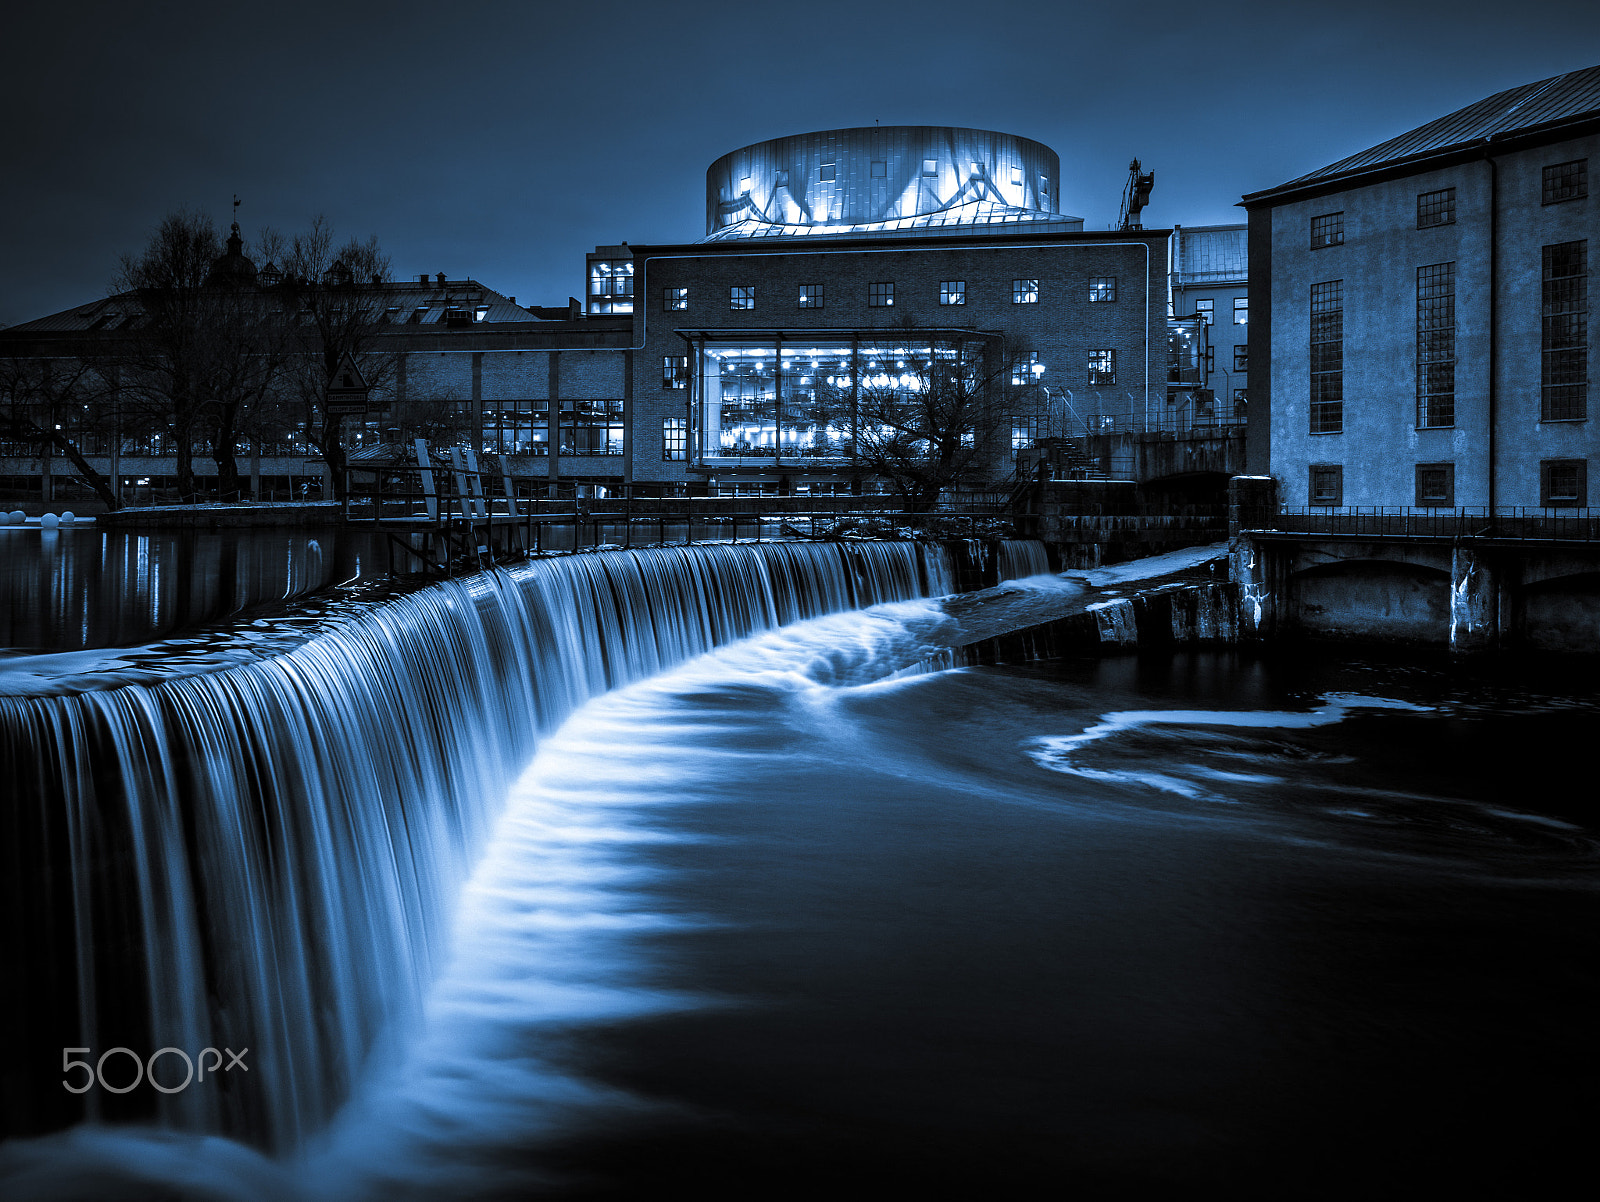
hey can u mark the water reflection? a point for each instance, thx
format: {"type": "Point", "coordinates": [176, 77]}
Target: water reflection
{"type": "Point", "coordinates": [74, 589]}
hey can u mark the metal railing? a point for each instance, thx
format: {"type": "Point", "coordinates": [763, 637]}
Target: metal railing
{"type": "Point", "coordinates": [1504, 522]}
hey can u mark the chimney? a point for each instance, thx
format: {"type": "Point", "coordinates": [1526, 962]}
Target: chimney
{"type": "Point", "coordinates": [441, 279]}
{"type": "Point", "coordinates": [513, 300]}
{"type": "Point", "coordinates": [423, 278]}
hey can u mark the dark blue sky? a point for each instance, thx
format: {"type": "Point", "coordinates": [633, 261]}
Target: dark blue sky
{"type": "Point", "coordinates": [501, 141]}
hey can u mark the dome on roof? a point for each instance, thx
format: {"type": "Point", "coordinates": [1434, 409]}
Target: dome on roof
{"type": "Point", "coordinates": [885, 180]}
{"type": "Point", "coordinates": [233, 269]}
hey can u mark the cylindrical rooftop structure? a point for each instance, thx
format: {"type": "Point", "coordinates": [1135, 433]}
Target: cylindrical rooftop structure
{"type": "Point", "coordinates": [882, 179]}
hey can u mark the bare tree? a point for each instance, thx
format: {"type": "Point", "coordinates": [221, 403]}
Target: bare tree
{"type": "Point", "coordinates": [54, 405]}
{"type": "Point", "coordinates": [929, 416]}
{"type": "Point", "coordinates": [164, 361]}
{"type": "Point", "coordinates": [333, 297]}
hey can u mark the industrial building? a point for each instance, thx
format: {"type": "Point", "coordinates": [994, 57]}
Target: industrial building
{"type": "Point", "coordinates": [1422, 332]}
{"type": "Point", "coordinates": [840, 271]}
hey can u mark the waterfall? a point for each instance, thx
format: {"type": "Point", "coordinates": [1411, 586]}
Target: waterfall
{"type": "Point", "coordinates": [1019, 558]}
{"type": "Point", "coordinates": [266, 857]}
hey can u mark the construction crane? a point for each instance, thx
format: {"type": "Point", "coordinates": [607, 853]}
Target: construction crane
{"type": "Point", "coordinates": [1135, 195]}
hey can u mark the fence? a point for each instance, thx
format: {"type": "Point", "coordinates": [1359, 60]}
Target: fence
{"type": "Point", "coordinates": [1506, 523]}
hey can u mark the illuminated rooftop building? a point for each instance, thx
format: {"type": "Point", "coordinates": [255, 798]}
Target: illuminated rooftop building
{"type": "Point", "coordinates": [890, 181]}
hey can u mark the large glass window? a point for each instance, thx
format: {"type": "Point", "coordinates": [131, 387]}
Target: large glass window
{"type": "Point", "coordinates": [675, 371]}
{"type": "Point", "coordinates": [611, 286]}
{"type": "Point", "coordinates": [810, 296]}
{"type": "Point", "coordinates": [591, 427]}
{"type": "Point", "coordinates": [674, 299]}
{"type": "Point", "coordinates": [953, 292]}
{"type": "Point", "coordinates": [516, 427]}
{"type": "Point", "coordinates": [809, 399]}
{"type": "Point", "coordinates": [1102, 288]}
{"type": "Point", "coordinates": [1566, 181]}
{"type": "Point", "coordinates": [1206, 309]}
{"type": "Point", "coordinates": [1024, 292]}
{"type": "Point", "coordinates": [1327, 230]}
{"type": "Point", "coordinates": [1241, 310]}
{"type": "Point", "coordinates": [1436, 208]}
{"type": "Point", "coordinates": [1564, 332]}
{"type": "Point", "coordinates": [1327, 357]}
{"type": "Point", "coordinates": [1436, 345]}
{"type": "Point", "coordinates": [742, 297]}
{"type": "Point", "coordinates": [881, 296]}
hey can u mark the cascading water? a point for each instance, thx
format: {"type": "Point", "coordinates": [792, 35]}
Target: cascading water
{"type": "Point", "coordinates": [1017, 559]}
{"type": "Point", "coordinates": [265, 857]}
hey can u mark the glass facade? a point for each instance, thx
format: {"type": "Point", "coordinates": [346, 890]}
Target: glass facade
{"type": "Point", "coordinates": [800, 399]}
{"type": "Point", "coordinates": [611, 285]}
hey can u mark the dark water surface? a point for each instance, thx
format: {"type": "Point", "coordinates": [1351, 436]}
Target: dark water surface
{"type": "Point", "coordinates": [1110, 928]}
{"type": "Point", "coordinates": [84, 587]}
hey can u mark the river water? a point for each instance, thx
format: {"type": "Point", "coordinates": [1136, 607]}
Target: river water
{"type": "Point", "coordinates": [815, 915]}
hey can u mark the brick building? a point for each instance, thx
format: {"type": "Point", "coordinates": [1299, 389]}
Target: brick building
{"type": "Point", "coordinates": [835, 266]}
{"type": "Point", "coordinates": [1422, 332]}
{"type": "Point", "coordinates": [1210, 279]}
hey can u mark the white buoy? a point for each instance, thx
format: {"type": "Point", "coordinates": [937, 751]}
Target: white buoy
{"type": "Point", "coordinates": [16, 517]}
{"type": "Point", "coordinates": [68, 518]}
{"type": "Point", "coordinates": [49, 522]}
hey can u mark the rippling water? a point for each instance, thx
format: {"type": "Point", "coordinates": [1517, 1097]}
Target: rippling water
{"type": "Point", "coordinates": [769, 925]}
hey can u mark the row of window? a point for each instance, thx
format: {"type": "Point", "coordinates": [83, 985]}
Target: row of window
{"type": "Point", "coordinates": [880, 295]}
{"type": "Point", "coordinates": [1206, 307]}
{"type": "Point", "coordinates": [1561, 181]}
{"type": "Point", "coordinates": [1102, 368]}
{"type": "Point", "coordinates": [1563, 484]}
{"type": "Point", "coordinates": [1563, 343]}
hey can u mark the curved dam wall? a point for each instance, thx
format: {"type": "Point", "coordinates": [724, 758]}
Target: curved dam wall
{"type": "Point", "coordinates": [267, 857]}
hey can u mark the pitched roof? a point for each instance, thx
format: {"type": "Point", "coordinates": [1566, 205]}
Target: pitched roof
{"type": "Point", "coordinates": [1554, 101]}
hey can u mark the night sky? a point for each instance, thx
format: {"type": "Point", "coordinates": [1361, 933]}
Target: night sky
{"type": "Point", "coordinates": [502, 141]}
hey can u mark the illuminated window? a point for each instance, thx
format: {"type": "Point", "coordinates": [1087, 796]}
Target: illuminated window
{"type": "Point", "coordinates": [1564, 333]}
{"type": "Point", "coordinates": [977, 170]}
{"type": "Point", "coordinates": [1436, 485]}
{"type": "Point", "coordinates": [930, 166]}
{"type": "Point", "coordinates": [1103, 367]}
{"type": "Point", "coordinates": [1044, 187]}
{"type": "Point", "coordinates": [1241, 357]}
{"type": "Point", "coordinates": [674, 298]}
{"type": "Point", "coordinates": [1327, 484]}
{"type": "Point", "coordinates": [1241, 310]}
{"type": "Point", "coordinates": [1436, 345]}
{"type": "Point", "coordinates": [742, 297]}
{"type": "Point", "coordinates": [611, 286]}
{"type": "Point", "coordinates": [1027, 371]}
{"type": "Point", "coordinates": [513, 427]}
{"type": "Point", "coordinates": [1206, 307]}
{"type": "Point", "coordinates": [675, 371]}
{"type": "Point", "coordinates": [744, 186]}
{"type": "Point", "coordinates": [674, 439]}
{"type": "Point", "coordinates": [810, 296]}
{"type": "Point", "coordinates": [825, 173]}
{"type": "Point", "coordinates": [1436, 208]}
{"type": "Point", "coordinates": [881, 296]}
{"type": "Point", "coordinates": [591, 427]}
{"type": "Point", "coordinates": [1024, 292]}
{"type": "Point", "coordinates": [1327, 230]}
{"type": "Point", "coordinates": [880, 169]}
{"type": "Point", "coordinates": [780, 179]}
{"type": "Point", "coordinates": [1327, 357]}
{"type": "Point", "coordinates": [1566, 181]}
{"type": "Point", "coordinates": [1102, 288]}
{"type": "Point", "coordinates": [1563, 483]}
{"type": "Point", "coordinates": [953, 292]}
{"type": "Point", "coordinates": [1016, 177]}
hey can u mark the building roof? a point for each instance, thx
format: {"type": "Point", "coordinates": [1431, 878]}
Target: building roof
{"type": "Point", "coordinates": [406, 302]}
{"type": "Point", "coordinates": [1554, 102]}
{"type": "Point", "coordinates": [1209, 254]}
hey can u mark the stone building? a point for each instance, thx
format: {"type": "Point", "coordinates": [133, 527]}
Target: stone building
{"type": "Point", "coordinates": [1422, 334]}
